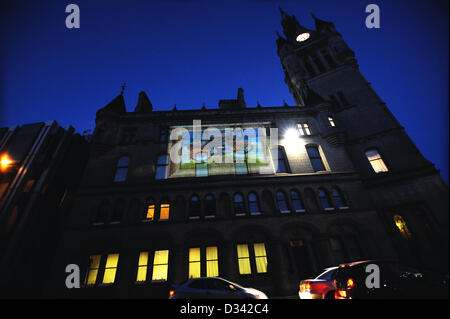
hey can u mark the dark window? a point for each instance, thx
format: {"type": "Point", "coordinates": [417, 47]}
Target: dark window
{"type": "Point", "coordinates": [338, 200]}
{"type": "Point", "coordinates": [309, 68]}
{"type": "Point", "coordinates": [118, 211]}
{"type": "Point", "coordinates": [161, 166]}
{"type": "Point", "coordinates": [282, 168]}
{"type": "Point", "coordinates": [129, 135]}
{"type": "Point", "coordinates": [328, 58]}
{"type": "Point", "coordinates": [121, 169]}
{"type": "Point", "coordinates": [343, 98]}
{"type": "Point", "coordinates": [238, 204]}
{"type": "Point", "coordinates": [282, 203]}
{"type": "Point", "coordinates": [324, 199]}
{"type": "Point", "coordinates": [102, 213]}
{"type": "Point", "coordinates": [194, 207]}
{"type": "Point", "coordinates": [296, 201]}
{"type": "Point", "coordinates": [210, 206]}
{"type": "Point", "coordinates": [164, 134]}
{"type": "Point", "coordinates": [315, 158]}
{"type": "Point", "coordinates": [319, 63]}
{"type": "Point", "coordinates": [253, 204]}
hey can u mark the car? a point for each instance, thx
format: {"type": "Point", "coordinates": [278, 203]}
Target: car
{"type": "Point", "coordinates": [358, 280]}
{"type": "Point", "coordinates": [321, 287]}
{"type": "Point", "coordinates": [213, 288]}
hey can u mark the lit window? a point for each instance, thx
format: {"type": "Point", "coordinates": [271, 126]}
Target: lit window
{"type": "Point", "coordinates": [260, 257]}
{"type": "Point", "coordinates": [142, 267]}
{"type": "Point", "coordinates": [164, 212]}
{"type": "Point", "coordinates": [402, 227]}
{"type": "Point", "coordinates": [194, 263]}
{"type": "Point", "coordinates": [161, 166]}
{"type": "Point", "coordinates": [194, 207]}
{"type": "Point", "coordinates": [253, 204]}
{"type": "Point", "coordinates": [238, 203]}
{"type": "Point", "coordinates": [212, 262]}
{"type": "Point", "coordinates": [160, 265]}
{"type": "Point", "coordinates": [243, 259]}
{"type": "Point", "coordinates": [331, 120]}
{"type": "Point", "coordinates": [376, 161]}
{"type": "Point", "coordinates": [324, 200]}
{"type": "Point", "coordinates": [297, 202]}
{"type": "Point", "coordinates": [110, 269]}
{"type": "Point", "coordinates": [121, 169]}
{"type": "Point", "coordinates": [282, 203]}
{"type": "Point", "coordinates": [304, 129]}
{"type": "Point", "coordinates": [94, 265]}
{"type": "Point", "coordinates": [315, 158]}
{"type": "Point", "coordinates": [150, 215]}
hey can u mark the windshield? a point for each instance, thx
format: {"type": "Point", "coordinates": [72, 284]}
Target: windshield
{"type": "Point", "coordinates": [327, 274]}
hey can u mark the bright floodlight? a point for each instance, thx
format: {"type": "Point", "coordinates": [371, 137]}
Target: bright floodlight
{"type": "Point", "coordinates": [291, 134]}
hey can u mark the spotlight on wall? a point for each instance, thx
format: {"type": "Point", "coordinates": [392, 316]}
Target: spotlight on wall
{"type": "Point", "coordinates": [291, 137]}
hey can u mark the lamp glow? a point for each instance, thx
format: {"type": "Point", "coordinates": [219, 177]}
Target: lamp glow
{"type": "Point", "coordinates": [291, 134]}
{"type": "Point", "coordinates": [5, 162]}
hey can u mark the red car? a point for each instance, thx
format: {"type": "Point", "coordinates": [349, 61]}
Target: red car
{"type": "Point", "coordinates": [321, 287]}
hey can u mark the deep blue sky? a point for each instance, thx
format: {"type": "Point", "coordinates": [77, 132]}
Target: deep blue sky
{"type": "Point", "coordinates": [194, 52]}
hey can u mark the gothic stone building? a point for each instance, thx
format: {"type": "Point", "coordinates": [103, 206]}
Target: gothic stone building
{"type": "Point", "coordinates": [349, 185]}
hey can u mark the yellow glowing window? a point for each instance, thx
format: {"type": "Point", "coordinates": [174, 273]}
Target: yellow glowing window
{"type": "Point", "coordinates": [376, 161]}
{"type": "Point", "coordinates": [110, 269]}
{"type": "Point", "coordinates": [401, 225]}
{"type": "Point", "coordinates": [260, 257]}
{"type": "Point", "coordinates": [94, 265]}
{"type": "Point", "coordinates": [243, 259]}
{"type": "Point", "coordinates": [164, 214]}
{"type": "Point", "coordinates": [194, 263]}
{"type": "Point", "coordinates": [150, 212]}
{"type": "Point", "coordinates": [331, 120]}
{"type": "Point", "coordinates": [142, 267]}
{"type": "Point", "coordinates": [160, 265]}
{"type": "Point", "coordinates": [212, 262]}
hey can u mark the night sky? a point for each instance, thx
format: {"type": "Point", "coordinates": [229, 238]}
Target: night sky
{"type": "Point", "coordinates": [193, 52]}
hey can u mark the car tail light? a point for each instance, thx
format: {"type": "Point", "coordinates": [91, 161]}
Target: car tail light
{"type": "Point", "coordinates": [341, 294]}
{"type": "Point", "coordinates": [350, 283]}
{"type": "Point", "coordinates": [171, 293]}
{"type": "Point", "coordinates": [307, 286]}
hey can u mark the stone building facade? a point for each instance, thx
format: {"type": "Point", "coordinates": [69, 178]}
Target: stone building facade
{"type": "Point", "coordinates": [350, 185]}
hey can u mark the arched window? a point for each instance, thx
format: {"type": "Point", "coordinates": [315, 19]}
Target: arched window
{"type": "Point", "coordinates": [210, 206]}
{"type": "Point", "coordinates": [102, 213]}
{"type": "Point", "coordinates": [253, 204]}
{"type": "Point", "coordinates": [324, 199]}
{"type": "Point", "coordinates": [282, 203]}
{"type": "Point", "coordinates": [122, 169]}
{"type": "Point", "coordinates": [297, 202]}
{"type": "Point", "coordinates": [281, 160]}
{"type": "Point", "coordinates": [238, 204]}
{"type": "Point", "coordinates": [315, 158]}
{"type": "Point", "coordinates": [194, 207]}
{"type": "Point", "coordinates": [119, 208]}
{"type": "Point", "coordinates": [161, 166]}
{"type": "Point", "coordinates": [402, 227]}
{"type": "Point", "coordinates": [338, 199]}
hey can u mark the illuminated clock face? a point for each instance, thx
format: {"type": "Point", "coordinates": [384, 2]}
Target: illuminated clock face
{"type": "Point", "coordinates": [303, 37]}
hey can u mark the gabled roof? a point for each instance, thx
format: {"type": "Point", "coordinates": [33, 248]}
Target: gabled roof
{"type": "Point", "coordinates": [115, 106]}
{"type": "Point", "coordinates": [143, 105]}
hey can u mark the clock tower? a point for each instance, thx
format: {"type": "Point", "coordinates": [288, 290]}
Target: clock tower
{"type": "Point", "coordinates": [406, 182]}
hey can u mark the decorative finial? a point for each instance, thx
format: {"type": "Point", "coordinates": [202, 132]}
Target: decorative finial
{"type": "Point", "coordinates": [123, 86]}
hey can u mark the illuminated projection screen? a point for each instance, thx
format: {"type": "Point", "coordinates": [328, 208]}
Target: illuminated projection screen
{"type": "Point", "coordinates": [233, 149]}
